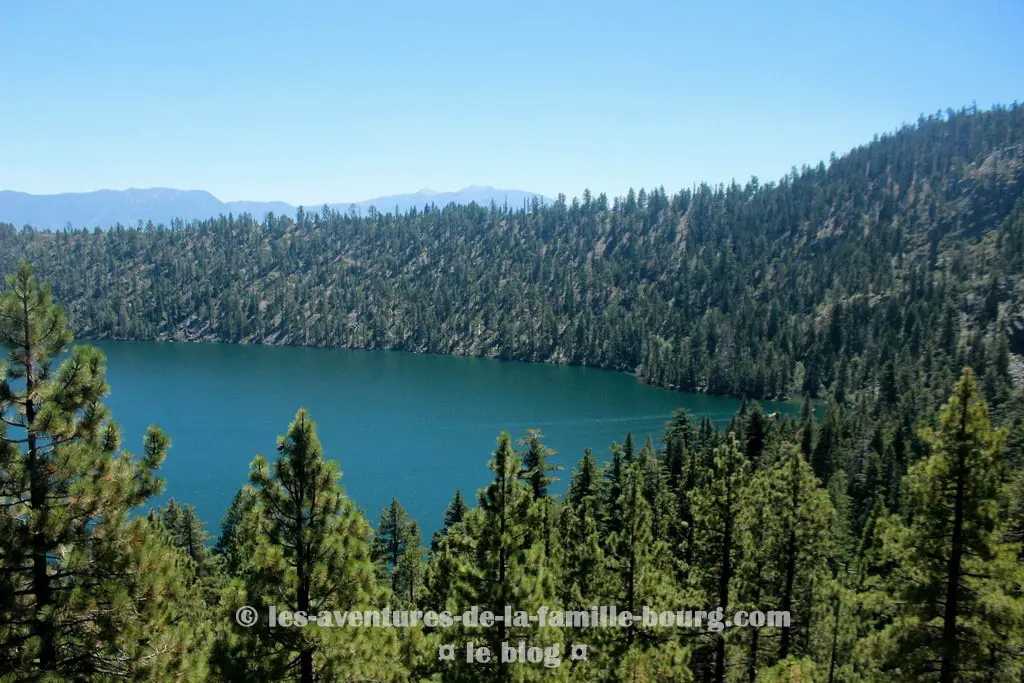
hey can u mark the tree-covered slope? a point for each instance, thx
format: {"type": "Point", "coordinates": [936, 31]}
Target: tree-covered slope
{"type": "Point", "coordinates": [829, 280]}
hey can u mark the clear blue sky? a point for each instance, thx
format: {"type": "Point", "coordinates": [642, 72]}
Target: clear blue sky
{"type": "Point", "coordinates": [310, 102]}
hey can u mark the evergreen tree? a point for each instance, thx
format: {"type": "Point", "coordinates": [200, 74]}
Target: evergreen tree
{"type": "Point", "coordinates": [453, 514]}
{"type": "Point", "coordinates": [611, 490]}
{"type": "Point", "coordinates": [679, 440]}
{"type": "Point", "coordinates": [398, 537]}
{"type": "Point", "coordinates": [716, 505]}
{"type": "Point", "coordinates": [535, 463]}
{"type": "Point", "coordinates": [757, 575]}
{"type": "Point", "coordinates": [957, 610]}
{"type": "Point", "coordinates": [686, 468]}
{"type": "Point", "coordinates": [504, 565]}
{"type": "Point", "coordinates": [88, 591]}
{"type": "Point", "coordinates": [456, 511]}
{"type": "Point", "coordinates": [407, 576]}
{"type": "Point", "coordinates": [446, 544]}
{"type": "Point", "coordinates": [186, 532]}
{"type": "Point", "coordinates": [756, 433]}
{"type": "Point", "coordinates": [656, 491]}
{"type": "Point", "coordinates": [825, 457]}
{"type": "Point", "coordinates": [638, 572]}
{"type": "Point", "coordinates": [585, 482]}
{"type": "Point", "coordinates": [311, 552]}
{"type": "Point", "coordinates": [807, 430]}
{"type": "Point", "coordinates": [628, 452]}
{"type": "Point", "coordinates": [802, 547]}
{"type": "Point", "coordinates": [580, 523]}
{"type": "Point", "coordinates": [233, 543]}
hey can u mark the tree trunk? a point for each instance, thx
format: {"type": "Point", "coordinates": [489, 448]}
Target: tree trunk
{"type": "Point", "coordinates": [38, 491]}
{"type": "Point", "coordinates": [302, 571]}
{"type": "Point", "coordinates": [787, 595]}
{"type": "Point", "coordinates": [631, 579]}
{"type": "Point", "coordinates": [835, 641]}
{"type": "Point", "coordinates": [723, 586]}
{"type": "Point", "coordinates": [950, 644]}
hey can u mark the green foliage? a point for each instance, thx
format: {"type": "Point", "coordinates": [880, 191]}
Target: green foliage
{"type": "Point", "coordinates": [88, 592]}
{"type": "Point", "coordinates": [716, 505]}
{"type": "Point", "coordinates": [864, 285]}
{"type": "Point", "coordinates": [535, 463]}
{"type": "Point", "coordinates": [307, 549]}
{"type": "Point", "coordinates": [637, 572]}
{"type": "Point", "coordinates": [396, 547]}
{"type": "Point", "coordinates": [956, 611]}
{"type": "Point", "coordinates": [502, 562]}
{"type": "Point", "coordinates": [186, 533]}
{"type": "Point", "coordinates": [583, 550]}
{"type": "Point", "coordinates": [822, 283]}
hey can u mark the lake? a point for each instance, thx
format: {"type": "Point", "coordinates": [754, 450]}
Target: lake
{"type": "Point", "coordinates": [413, 426]}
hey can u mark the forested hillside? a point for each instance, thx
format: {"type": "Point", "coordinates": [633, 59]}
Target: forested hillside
{"type": "Point", "coordinates": [901, 259]}
{"type": "Point", "coordinates": [890, 531]}
{"type": "Point", "coordinates": [886, 520]}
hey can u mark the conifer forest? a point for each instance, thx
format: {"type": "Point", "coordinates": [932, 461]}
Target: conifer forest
{"type": "Point", "coordinates": [883, 289]}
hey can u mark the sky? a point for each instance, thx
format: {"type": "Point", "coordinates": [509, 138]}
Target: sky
{"type": "Point", "coordinates": [313, 102]}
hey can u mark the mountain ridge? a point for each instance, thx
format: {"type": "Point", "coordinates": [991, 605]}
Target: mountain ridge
{"type": "Point", "coordinates": [105, 208]}
{"type": "Point", "coordinates": [761, 290]}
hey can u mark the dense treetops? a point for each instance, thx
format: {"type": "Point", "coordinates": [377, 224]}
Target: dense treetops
{"type": "Point", "coordinates": [890, 531]}
{"type": "Point", "coordinates": [813, 284]}
{"type": "Point", "coordinates": [888, 519]}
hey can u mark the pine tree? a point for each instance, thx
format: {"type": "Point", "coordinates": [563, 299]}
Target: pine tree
{"type": "Point", "coordinates": [234, 543]}
{"type": "Point", "coordinates": [716, 505]}
{"type": "Point", "coordinates": [579, 525]}
{"type": "Point", "coordinates": [185, 528]}
{"type": "Point", "coordinates": [638, 572]}
{"type": "Point", "coordinates": [628, 453]}
{"type": "Point", "coordinates": [456, 511]}
{"type": "Point", "coordinates": [453, 514]}
{"type": "Point", "coordinates": [535, 470]}
{"type": "Point", "coordinates": [838, 607]}
{"type": "Point", "coordinates": [407, 576]}
{"type": "Point", "coordinates": [824, 460]}
{"type": "Point", "coordinates": [503, 565]}
{"type": "Point", "coordinates": [446, 544]}
{"type": "Point", "coordinates": [686, 467]}
{"type": "Point", "coordinates": [756, 433]}
{"type": "Point", "coordinates": [310, 552]}
{"type": "Point", "coordinates": [757, 575]}
{"type": "Point", "coordinates": [611, 490]}
{"type": "Point", "coordinates": [957, 610]}
{"type": "Point", "coordinates": [397, 537]}
{"type": "Point", "coordinates": [585, 482]}
{"type": "Point", "coordinates": [89, 591]}
{"type": "Point", "coordinates": [676, 449]}
{"type": "Point", "coordinates": [807, 429]}
{"type": "Point", "coordinates": [657, 493]}
{"type": "Point", "coordinates": [535, 463]}
{"type": "Point", "coordinates": [802, 548]}
{"type": "Point", "coordinates": [187, 533]}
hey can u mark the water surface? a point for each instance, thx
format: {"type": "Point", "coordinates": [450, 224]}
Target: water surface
{"type": "Point", "coordinates": [413, 426]}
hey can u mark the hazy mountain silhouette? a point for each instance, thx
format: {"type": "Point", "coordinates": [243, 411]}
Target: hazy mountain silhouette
{"type": "Point", "coordinates": [104, 208]}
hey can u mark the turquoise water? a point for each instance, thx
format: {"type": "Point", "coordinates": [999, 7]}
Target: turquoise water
{"type": "Point", "coordinates": [412, 426]}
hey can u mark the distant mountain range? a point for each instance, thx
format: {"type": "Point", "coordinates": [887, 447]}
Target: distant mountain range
{"type": "Point", "coordinates": [104, 208]}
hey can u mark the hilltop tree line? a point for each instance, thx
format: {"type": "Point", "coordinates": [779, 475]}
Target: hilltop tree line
{"type": "Point", "coordinates": [890, 530]}
{"type": "Point", "coordinates": [886, 268]}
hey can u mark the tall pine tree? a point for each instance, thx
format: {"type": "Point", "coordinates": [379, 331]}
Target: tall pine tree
{"type": "Point", "coordinates": [310, 552]}
{"type": "Point", "coordinates": [89, 591]}
{"type": "Point", "coordinates": [957, 611]}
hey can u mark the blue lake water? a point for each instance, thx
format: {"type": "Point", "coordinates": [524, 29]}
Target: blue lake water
{"type": "Point", "coordinates": [412, 426]}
